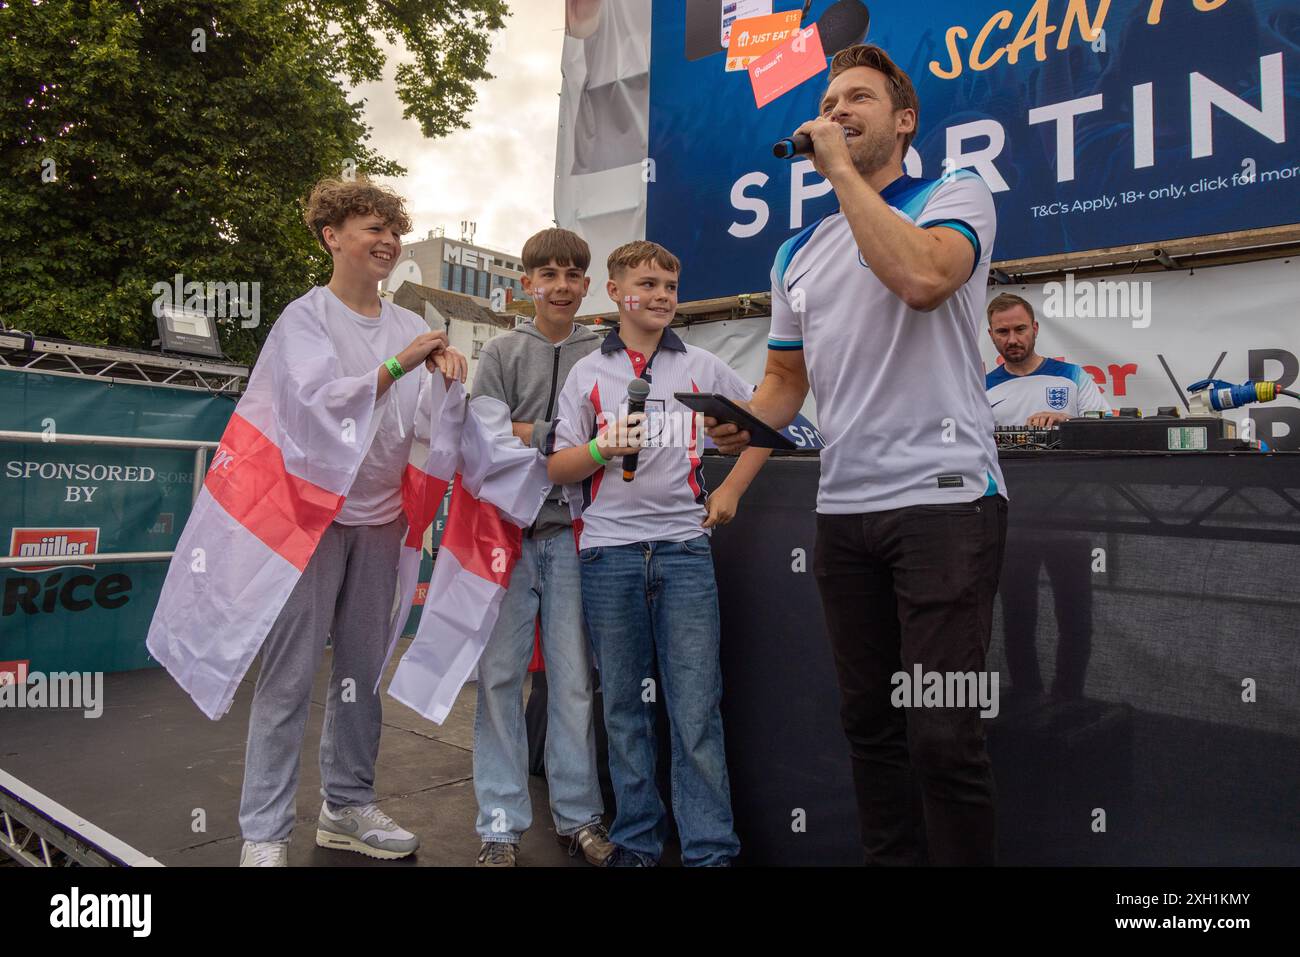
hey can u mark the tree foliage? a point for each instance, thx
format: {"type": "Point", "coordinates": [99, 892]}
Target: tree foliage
{"type": "Point", "coordinates": [144, 139]}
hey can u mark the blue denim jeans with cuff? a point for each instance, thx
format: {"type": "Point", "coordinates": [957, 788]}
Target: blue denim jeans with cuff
{"type": "Point", "coordinates": [545, 580]}
{"type": "Point", "coordinates": [652, 613]}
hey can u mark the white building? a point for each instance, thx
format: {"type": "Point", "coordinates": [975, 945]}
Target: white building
{"type": "Point", "coordinates": [441, 263]}
{"type": "Point", "coordinates": [469, 324]}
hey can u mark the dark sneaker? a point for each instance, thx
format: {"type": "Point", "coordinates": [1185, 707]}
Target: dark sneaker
{"type": "Point", "coordinates": [592, 840]}
{"type": "Point", "coordinates": [497, 854]}
{"type": "Point", "coordinates": [622, 857]}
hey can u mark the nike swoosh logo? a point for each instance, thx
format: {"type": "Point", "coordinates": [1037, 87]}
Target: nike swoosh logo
{"type": "Point", "coordinates": [994, 405]}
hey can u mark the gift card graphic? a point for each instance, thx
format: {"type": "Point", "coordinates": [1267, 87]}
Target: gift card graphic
{"type": "Point", "coordinates": [752, 37]}
{"type": "Point", "coordinates": [782, 69]}
{"type": "Point", "coordinates": [733, 11]}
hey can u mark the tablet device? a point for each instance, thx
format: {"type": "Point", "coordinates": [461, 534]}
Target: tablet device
{"type": "Point", "coordinates": [761, 435]}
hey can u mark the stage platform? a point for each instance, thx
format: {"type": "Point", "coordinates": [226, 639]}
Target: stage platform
{"type": "Point", "coordinates": [143, 768]}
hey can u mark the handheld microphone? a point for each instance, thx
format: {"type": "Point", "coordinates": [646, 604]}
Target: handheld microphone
{"type": "Point", "coordinates": [800, 144]}
{"type": "Point", "coordinates": [638, 390]}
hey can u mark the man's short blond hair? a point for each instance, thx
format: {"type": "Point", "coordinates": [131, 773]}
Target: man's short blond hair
{"type": "Point", "coordinates": [332, 201]}
{"type": "Point", "coordinates": [902, 94]}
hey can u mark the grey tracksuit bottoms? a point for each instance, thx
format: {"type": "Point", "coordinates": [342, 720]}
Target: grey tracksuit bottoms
{"type": "Point", "coordinates": [346, 591]}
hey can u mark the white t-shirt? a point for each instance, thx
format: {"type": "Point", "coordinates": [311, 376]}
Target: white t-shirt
{"type": "Point", "coordinates": [900, 393]}
{"type": "Point", "coordinates": [362, 344]}
{"type": "Point", "coordinates": [666, 501]}
{"type": "Point", "coordinates": [1054, 386]}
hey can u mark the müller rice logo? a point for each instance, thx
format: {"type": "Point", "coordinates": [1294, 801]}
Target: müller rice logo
{"type": "Point", "coordinates": [52, 543]}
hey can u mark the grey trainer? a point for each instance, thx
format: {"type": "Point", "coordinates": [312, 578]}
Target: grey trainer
{"type": "Point", "coordinates": [365, 830]}
{"type": "Point", "coordinates": [264, 854]}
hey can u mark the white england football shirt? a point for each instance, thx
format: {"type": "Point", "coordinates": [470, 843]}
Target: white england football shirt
{"type": "Point", "coordinates": [1054, 386]}
{"type": "Point", "coordinates": [665, 503]}
{"type": "Point", "coordinates": [900, 393]}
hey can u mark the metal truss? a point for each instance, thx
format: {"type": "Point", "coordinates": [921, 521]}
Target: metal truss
{"type": "Point", "coordinates": [22, 353]}
{"type": "Point", "coordinates": [36, 831]}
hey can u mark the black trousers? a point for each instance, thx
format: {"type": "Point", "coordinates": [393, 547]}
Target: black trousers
{"type": "Point", "coordinates": [900, 588]}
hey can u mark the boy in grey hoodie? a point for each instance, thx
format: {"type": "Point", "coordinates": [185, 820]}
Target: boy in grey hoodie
{"type": "Point", "coordinates": [526, 370]}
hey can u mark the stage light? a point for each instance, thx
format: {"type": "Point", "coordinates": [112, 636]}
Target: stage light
{"type": "Point", "coordinates": [189, 332]}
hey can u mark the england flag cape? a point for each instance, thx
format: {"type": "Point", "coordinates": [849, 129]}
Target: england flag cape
{"type": "Point", "coordinates": [500, 485]}
{"type": "Point", "coordinates": [280, 476]}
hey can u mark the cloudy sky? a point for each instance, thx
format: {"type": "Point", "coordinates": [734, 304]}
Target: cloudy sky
{"type": "Point", "coordinates": [499, 172]}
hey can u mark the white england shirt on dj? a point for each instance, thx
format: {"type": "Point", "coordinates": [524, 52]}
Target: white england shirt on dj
{"type": "Point", "coordinates": [900, 393]}
{"type": "Point", "coordinates": [1054, 386]}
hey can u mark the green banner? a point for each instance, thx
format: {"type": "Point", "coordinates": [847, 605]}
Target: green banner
{"type": "Point", "coordinates": [58, 499]}
{"type": "Point", "coordinates": [431, 539]}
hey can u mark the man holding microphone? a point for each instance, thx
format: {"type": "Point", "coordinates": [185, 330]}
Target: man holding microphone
{"type": "Point", "coordinates": [877, 307]}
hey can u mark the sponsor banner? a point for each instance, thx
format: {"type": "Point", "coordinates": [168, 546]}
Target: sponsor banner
{"type": "Point", "coordinates": [1096, 123]}
{"type": "Point", "coordinates": [64, 500]}
{"type": "Point", "coordinates": [51, 543]}
{"type": "Point", "coordinates": [1145, 338]}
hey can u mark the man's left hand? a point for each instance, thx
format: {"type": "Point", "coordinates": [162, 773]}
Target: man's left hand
{"type": "Point", "coordinates": [1046, 420]}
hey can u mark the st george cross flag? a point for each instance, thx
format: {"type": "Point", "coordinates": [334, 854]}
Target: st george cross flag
{"type": "Point", "coordinates": [285, 464]}
{"type": "Point", "coordinates": [500, 487]}
{"type": "Point", "coordinates": [282, 471]}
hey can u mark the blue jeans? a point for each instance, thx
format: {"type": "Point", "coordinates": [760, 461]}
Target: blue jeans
{"type": "Point", "coordinates": [546, 577]}
{"type": "Point", "coordinates": [656, 604]}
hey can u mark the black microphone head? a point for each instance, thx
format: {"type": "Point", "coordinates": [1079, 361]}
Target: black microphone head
{"type": "Point", "coordinates": [638, 390]}
{"type": "Point", "coordinates": [791, 146]}
{"type": "Point", "coordinates": [843, 24]}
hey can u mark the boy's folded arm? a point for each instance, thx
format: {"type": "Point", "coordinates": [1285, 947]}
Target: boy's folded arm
{"type": "Point", "coordinates": [541, 435]}
{"type": "Point", "coordinates": [567, 466]}
{"type": "Point", "coordinates": [488, 378]}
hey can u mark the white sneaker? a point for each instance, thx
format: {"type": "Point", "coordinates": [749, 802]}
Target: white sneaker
{"type": "Point", "coordinates": [366, 830]}
{"type": "Point", "coordinates": [264, 854]}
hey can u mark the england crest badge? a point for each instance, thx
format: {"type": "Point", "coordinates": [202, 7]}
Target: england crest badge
{"type": "Point", "coordinates": [1058, 398]}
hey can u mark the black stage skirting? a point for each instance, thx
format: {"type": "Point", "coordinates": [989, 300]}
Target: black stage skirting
{"type": "Point", "coordinates": [1197, 602]}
